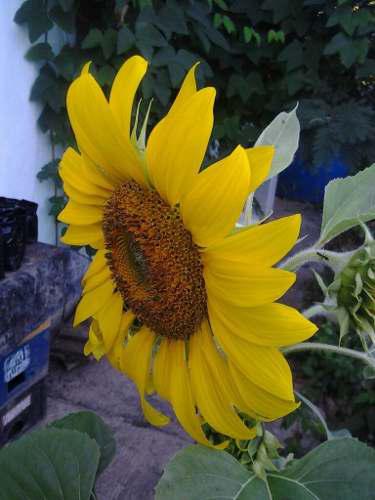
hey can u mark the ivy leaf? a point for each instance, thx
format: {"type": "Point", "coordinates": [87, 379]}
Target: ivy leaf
{"type": "Point", "coordinates": [34, 14]}
{"type": "Point", "coordinates": [69, 62]}
{"type": "Point", "coordinates": [171, 19]}
{"type": "Point", "coordinates": [48, 89]}
{"type": "Point", "coordinates": [281, 9]}
{"type": "Point", "coordinates": [64, 20]}
{"type": "Point", "coordinates": [347, 202]}
{"type": "Point", "coordinates": [57, 204]}
{"type": "Point", "coordinates": [163, 56]}
{"type": "Point", "coordinates": [109, 42]}
{"type": "Point", "coordinates": [105, 75]}
{"type": "Point", "coordinates": [125, 40]}
{"type": "Point", "coordinates": [292, 54]}
{"type": "Point", "coordinates": [49, 463]}
{"type": "Point", "coordinates": [93, 39]}
{"type": "Point", "coordinates": [149, 35]}
{"type": "Point", "coordinates": [40, 52]}
{"type": "Point", "coordinates": [91, 424]}
{"type": "Point", "coordinates": [66, 4]}
{"type": "Point", "coordinates": [49, 171]}
{"type": "Point", "coordinates": [340, 468]}
{"type": "Point", "coordinates": [283, 133]}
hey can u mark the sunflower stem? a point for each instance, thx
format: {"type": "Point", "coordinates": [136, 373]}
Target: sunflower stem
{"type": "Point", "coordinates": [317, 346]}
{"type": "Point", "coordinates": [311, 254]}
{"type": "Point", "coordinates": [316, 411]}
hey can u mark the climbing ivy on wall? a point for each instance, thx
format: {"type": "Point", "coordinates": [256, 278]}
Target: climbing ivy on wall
{"type": "Point", "coordinates": [262, 56]}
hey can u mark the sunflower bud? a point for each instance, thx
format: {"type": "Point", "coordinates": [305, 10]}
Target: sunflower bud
{"type": "Point", "coordinates": [351, 295]}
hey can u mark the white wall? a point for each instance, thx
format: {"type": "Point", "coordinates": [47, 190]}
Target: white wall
{"type": "Point", "coordinates": [23, 148]}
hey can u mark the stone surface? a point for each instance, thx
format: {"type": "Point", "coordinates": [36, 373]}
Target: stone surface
{"type": "Point", "coordinates": [47, 285]}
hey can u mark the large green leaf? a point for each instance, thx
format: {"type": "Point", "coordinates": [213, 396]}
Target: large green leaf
{"type": "Point", "coordinates": [341, 468]}
{"type": "Point", "coordinates": [198, 472]}
{"type": "Point", "coordinates": [347, 202]}
{"type": "Point", "coordinates": [56, 464]}
{"type": "Point", "coordinates": [283, 133]}
{"type": "Point", "coordinates": [96, 428]}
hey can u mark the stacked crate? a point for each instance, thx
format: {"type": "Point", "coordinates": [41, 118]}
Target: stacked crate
{"type": "Point", "coordinates": [23, 368]}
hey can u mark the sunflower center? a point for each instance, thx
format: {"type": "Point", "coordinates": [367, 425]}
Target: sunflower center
{"type": "Point", "coordinates": [154, 261]}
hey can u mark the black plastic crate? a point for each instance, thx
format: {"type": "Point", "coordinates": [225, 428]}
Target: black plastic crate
{"type": "Point", "coordinates": [20, 413]}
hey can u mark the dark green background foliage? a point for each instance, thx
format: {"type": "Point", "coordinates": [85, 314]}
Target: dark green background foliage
{"type": "Point", "coordinates": [262, 56]}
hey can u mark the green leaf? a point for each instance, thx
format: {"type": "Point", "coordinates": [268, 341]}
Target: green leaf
{"type": "Point", "coordinates": [66, 4]}
{"type": "Point", "coordinates": [105, 75]}
{"type": "Point", "coordinates": [49, 463]}
{"type": "Point", "coordinates": [125, 40]}
{"type": "Point", "coordinates": [163, 56]}
{"type": "Point", "coordinates": [69, 62]}
{"type": "Point", "coordinates": [283, 133]}
{"type": "Point", "coordinates": [93, 39]}
{"type": "Point", "coordinates": [109, 42]}
{"type": "Point", "coordinates": [347, 202]}
{"type": "Point", "coordinates": [198, 472]}
{"type": "Point", "coordinates": [50, 171]}
{"type": "Point", "coordinates": [341, 468]}
{"type": "Point", "coordinates": [229, 25]}
{"type": "Point", "coordinates": [292, 54]}
{"type": "Point", "coordinates": [171, 19]}
{"type": "Point", "coordinates": [40, 52]}
{"type": "Point", "coordinates": [34, 14]}
{"type": "Point", "coordinates": [96, 428]}
{"type": "Point", "coordinates": [149, 35]}
{"type": "Point", "coordinates": [47, 88]}
{"type": "Point", "coordinates": [64, 20]}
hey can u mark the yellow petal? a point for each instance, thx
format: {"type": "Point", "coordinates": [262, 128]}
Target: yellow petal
{"type": "Point", "coordinates": [264, 366]}
{"type": "Point", "coordinates": [181, 394]}
{"type": "Point", "coordinates": [257, 246]}
{"type": "Point", "coordinates": [207, 386]}
{"type": "Point", "coordinates": [95, 344]}
{"type": "Point", "coordinates": [254, 399]}
{"type": "Point", "coordinates": [135, 363]}
{"type": "Point", "coordinates": [93, 301]}
{"type": "Point", "coordinates": [84, 178]}
{"type": "Point", "coordinates": [82, 198]}
{"type": "Point", "coordinates": [84, 235]}
{"type": "Point", "coordinates": [215, 202]}
{"type": "Point", "coordinates": [269, 325]}
{"type": "Point", "coordinates": [123, 90]}
{"type": "Point", "coordinates": [80, 215]}
{"type": "Point", "coordinates": [97, 132]}
{"type": "Point", "coordinates": [115, 354]}
{"type": "Point", "coordinates": [177, 146]}
{"type": "Point", "coordinates": [187, 90]}
{"type": "Point", "coordinates": [109, 318]}
{"type": "Point", "coordinates": [248, 289]}
{"type": "Point", "coordinates": [260, 160]}
{"type": "Point", "coordinates": [97, 279]}
{"type": "Point", "coordinates": [98, 263]}
{"type": "Point", "coordinates": [162, 369]}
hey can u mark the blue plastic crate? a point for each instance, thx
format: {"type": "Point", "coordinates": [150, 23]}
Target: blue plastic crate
{"type": "Point", "coordinates": [25, 365]}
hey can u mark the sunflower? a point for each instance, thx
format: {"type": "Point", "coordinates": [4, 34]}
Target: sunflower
{"type": "Point", "coordinates": [182, 303]}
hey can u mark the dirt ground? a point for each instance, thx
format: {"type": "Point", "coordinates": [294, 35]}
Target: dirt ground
{"type": "Point", "coordinates": [142, 451]}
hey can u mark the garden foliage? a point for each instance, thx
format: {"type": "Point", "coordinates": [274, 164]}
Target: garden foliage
{"type": "Point", "coordinates": [263, 56]}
